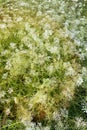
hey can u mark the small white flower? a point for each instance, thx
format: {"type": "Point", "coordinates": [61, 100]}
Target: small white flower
{"type": "Point", "coordinates": [4, 52]}
{"type": "Point", "coordinates": [27, 26]}
{"type": "Point", "coordinates": [50, 69]}
{"type": "Point", "coordinates": [77, 22]}
{"type": "Point", "coordinates": [79, 81]}
{"type": "Point", "coordinates": [8, 65]}
{"type": "Point", "coordinates": [24, 4]}
{"type": "Point", "coordinates": [28, 128]}
{"type": "Point", "coordinates": [27, 80]}
{"type": "Point", "coordinates": [47, 33]}
{"type": "Point", "coordinates": [66, 64]}
{"type": "Point", "coordinates": [85, 109]}
{"type": "Point", "coordinates": [84, 71]}
{"type": "Point", "coordinates": [39, 13]}
{"type": "Point", "coordinates": [75, 0]}
{"type": "Point", "coordinates": [12, 45]}
{"type": "Point", "coordinates": [86, 48]}
{"type": "Point", "coordinates": [2, 26]}
{"type": "Point", "coordinates": [56, 116]}
{"type": "Point", "coordinates": [56, 40]}
{"type": "Point", "coordinates": [47, 26]}
{"type": "Point", "coordinates": [54, 49]}
{"type": "Point", "coordinates": [70, 71]}
{"type": "Point", "coordinates": [19, 19]}
{"type": "Point", "coordinates": [64, 112]}
{"type": "Point", "coordinates": [46, 128]}
{"type": "Point", "coordinates": [10, 90]}
{"type": "Point", "coordinates": [16, 50]}
{"type": "Point", "coordinates": [2, 94]}
{"type": "Point", "coordinates": [4, 76]}
{"type": "Point", "coordinates": [82, 56]}
{"type": "Point", "coordinates": [7, 111]}
{"type": "Point", "coordinates": [80, 122]}
{"type": "Point", "coordinates": [84, 106]}
{"type": "Point", "coordinates": [25, 122]}
{"type": "Point", "coordinates": [16, 100]}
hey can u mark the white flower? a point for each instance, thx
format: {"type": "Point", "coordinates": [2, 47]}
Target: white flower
{"type": "Point", "coordinates": [27, 80]}
{"type": "Point", "coordinates": [64, 112]}
{"type": "Point", "coordinates": [19, 19]}
{"type": "Point", "coordinates": [27, 128]}
{"type": "Point", "coordinates": [4, 76]}
{"type": "Point", "coordinates": [39, 97]}
{"type": "Point", "coordinates": [84, 109]}
{"type": "Point", "coordinates": [46, 128]}
{"type": "Point", "coordinates": [77, 22]}
{"type": "Point", "coordinates": [2, 94]}
{"type": "Point", "coordinates": [56, 116]}
{"type": "Point", "coordinates": [56, 40]}
{"type": "Point", "coordinates": [16, 50]}
{"type": "Point", "coordinates": [39, 13]}
{"type": "Point", "coordinates": [75, 0]}
{"type": "Point", "coordinates": [68, 93]}
{"type": "Point", "coordinates": [27, 26]}
{"type": "Point", "coordinates": [2, 26]}
{"type": "Point", "coordinates": [82, 56]}
{"type": "Point", "coordinates": [50, 69]}
{"type": "Point", "coordinates": [53, 49]}
{"type": "Point", "coordinates": [80, 122]}
{"type": "Point", "coordinates": [47, 26]}
{"type": "Point", "coordinates": [79, 81]}
{"type": "Point", "coordinates": [47, 33]}
{"type": "Point", "coordinates": [8, 65]}
{"type": "Point", "coordinates": [86, 48]}
{"type": "Point", "coordinates": [12, 45]}
{"type": "Point", "coordinates": [84, 71]}
{"type": "Point", "coordinates": [10, 90]}
{"type": "Point", "coordinates": [84, 105]}
{"type": "Point", "coordinates": [24, 4]}
{"type": "Point", "coordinates": [26, 122]}
{"type": "Point", "coordinates": [29, 125]}
{"type": "Point", "coordinates": [7, 111]}
{"type": "Point", "coordinates": [70, 71]}
{"type": "Point", "coordinates": [66, 64]}
{"type": "Point", "coordinates": [16, 100]}
{"type": "Point", "coordinates": [4, 52]}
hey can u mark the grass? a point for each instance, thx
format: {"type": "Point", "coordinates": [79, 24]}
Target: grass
{"type": "Point", "coordinates": [42, 66]}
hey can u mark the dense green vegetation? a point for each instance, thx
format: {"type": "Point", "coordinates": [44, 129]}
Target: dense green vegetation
{"type": "Point", "coordinates": [43, 65]}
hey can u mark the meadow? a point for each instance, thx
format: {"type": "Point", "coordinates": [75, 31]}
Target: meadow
{"type": "Point", "coordinates": [43, 65]}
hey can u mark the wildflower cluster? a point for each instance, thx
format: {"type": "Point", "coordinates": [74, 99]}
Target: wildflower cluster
{"type": "Point", "coordinates": [42, 47]}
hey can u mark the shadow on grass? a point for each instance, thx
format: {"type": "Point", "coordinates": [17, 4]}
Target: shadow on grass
{"type": "Point", "coordinates": [75, 109]}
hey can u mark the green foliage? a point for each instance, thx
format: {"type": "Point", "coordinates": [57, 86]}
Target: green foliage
{"type": "Point", "coordinates": [43, 68]}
